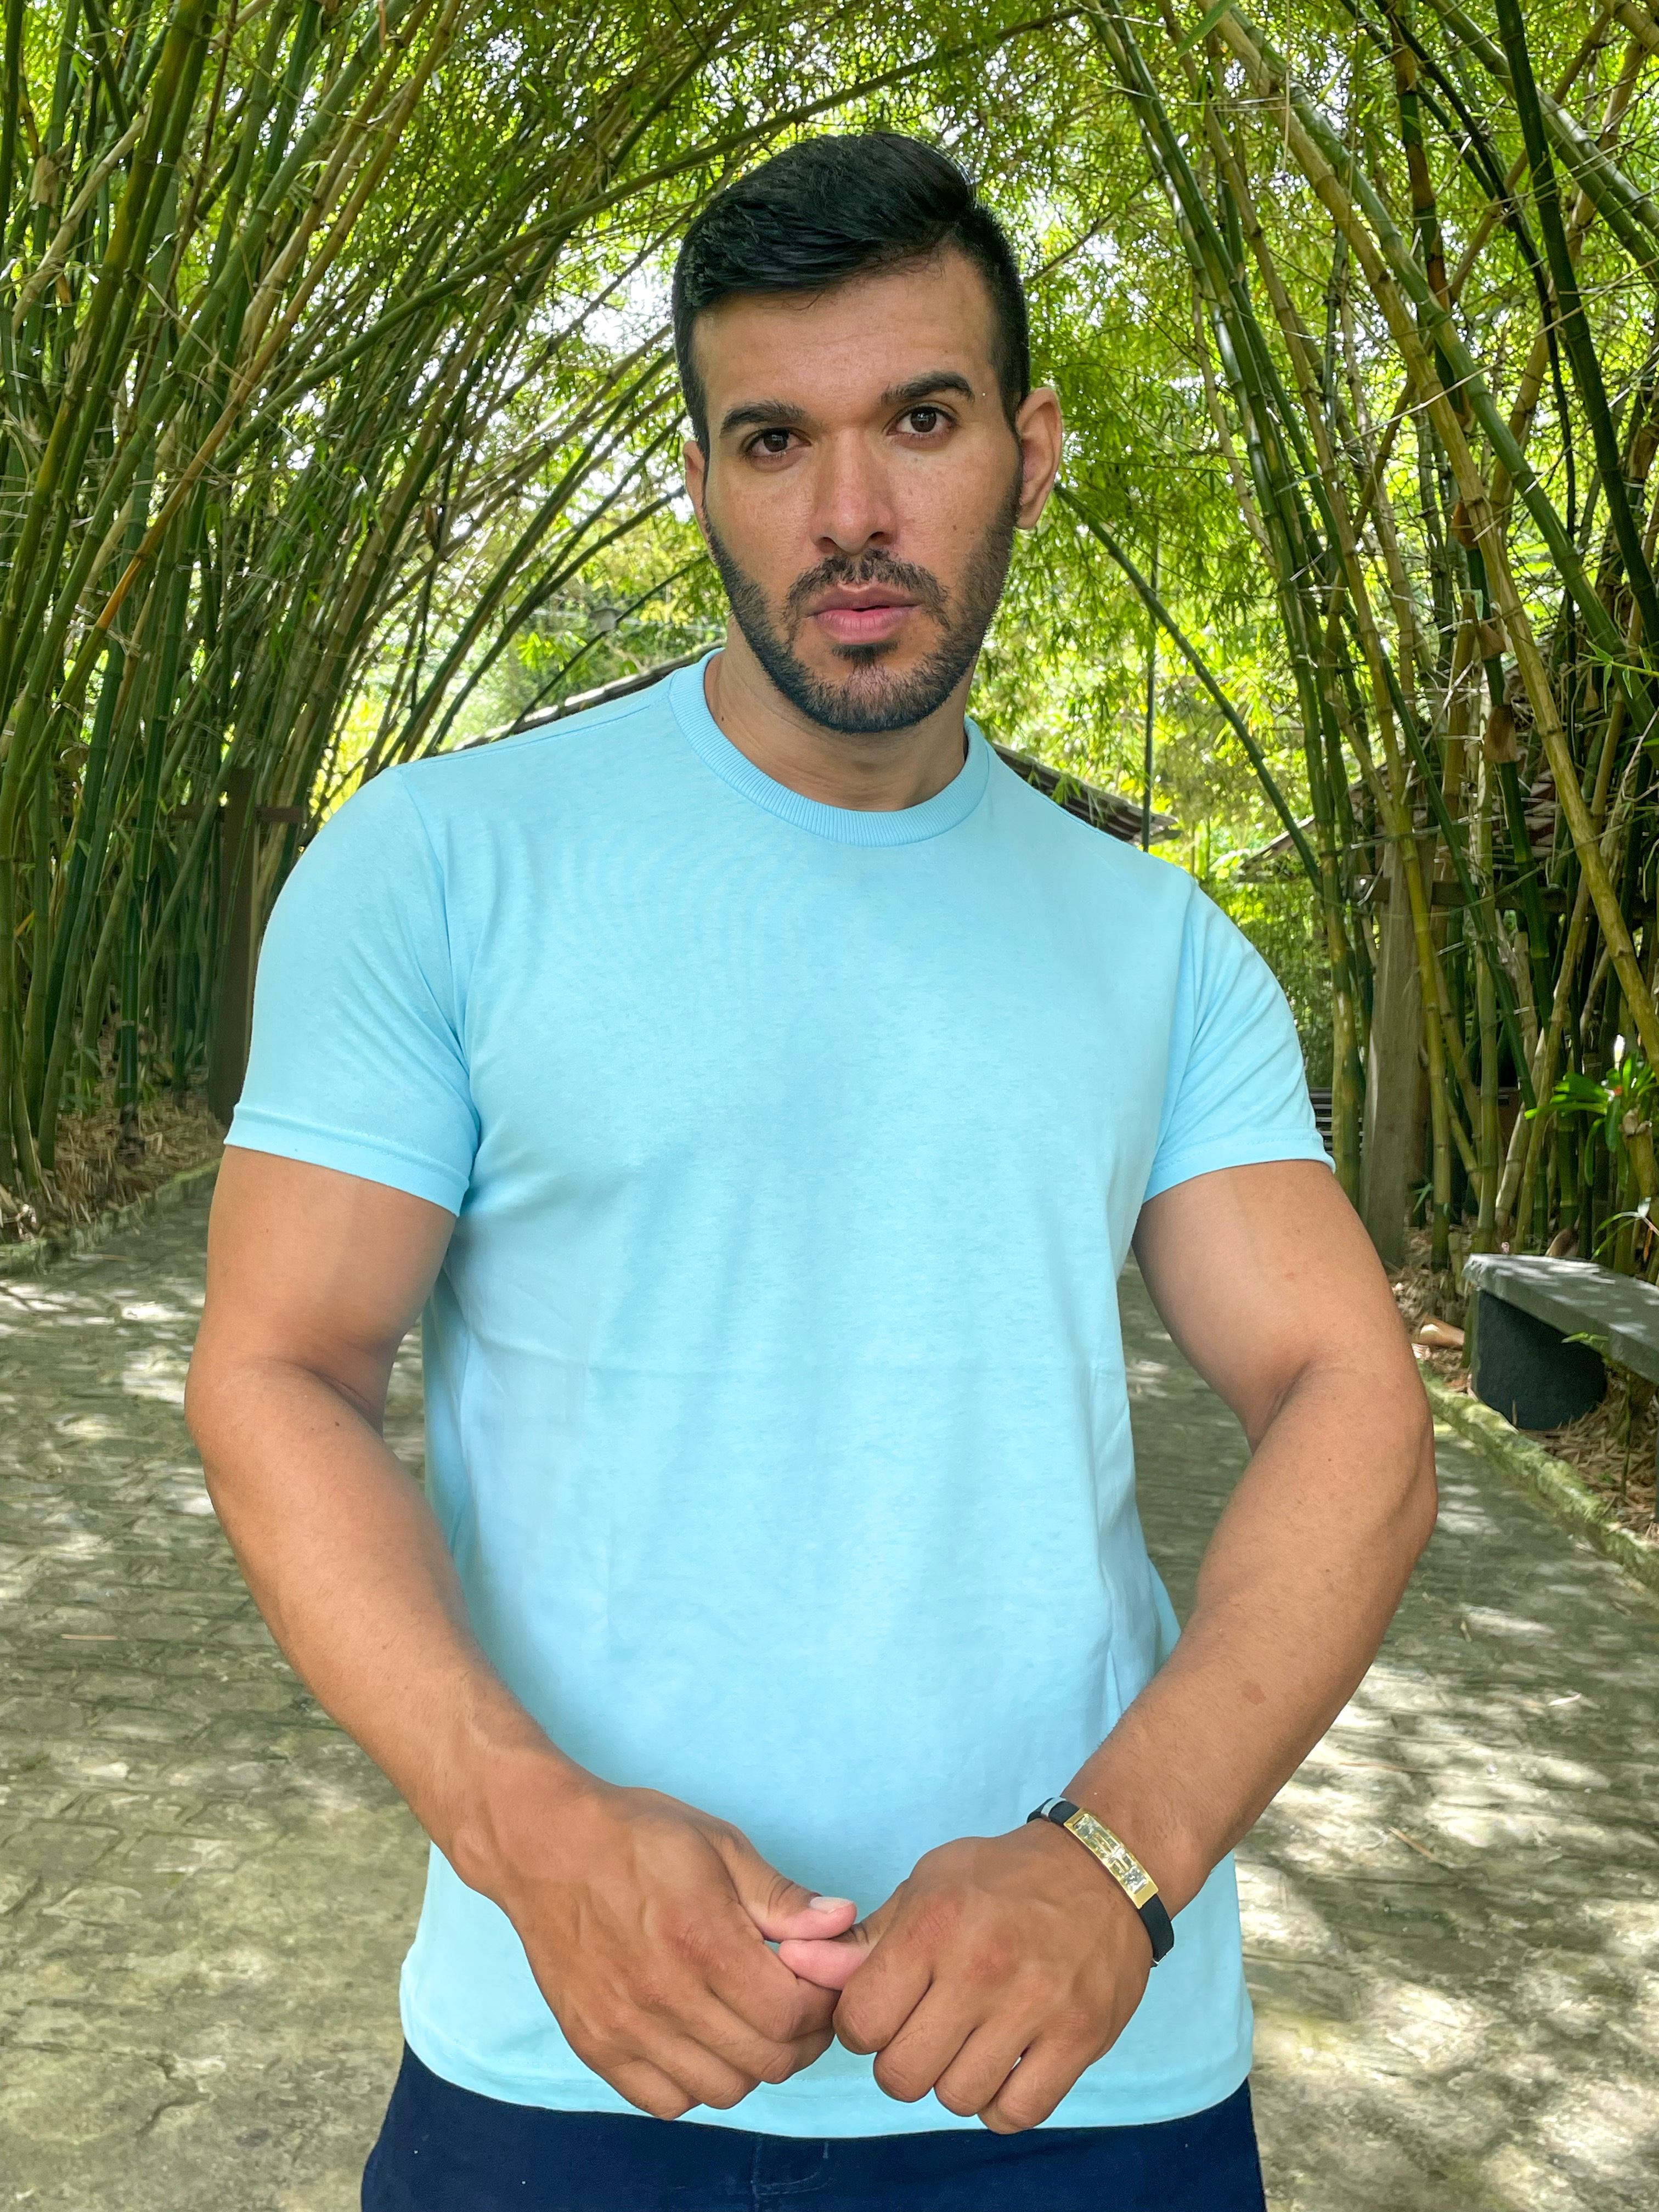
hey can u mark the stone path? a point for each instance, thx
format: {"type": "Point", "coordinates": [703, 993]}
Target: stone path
{"type": "Point", "coordinates": [1452, 1916]}
{"type": "Point", "coordinates": [206, 1888]}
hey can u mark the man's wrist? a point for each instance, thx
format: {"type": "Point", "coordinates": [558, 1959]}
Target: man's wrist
{"type": "Point", "coordinates": [1120, 1865]}
{"type": "Point", "coordinates": [1149, 1823]}
{"type": "Point", "coordinates": [509, 1790]}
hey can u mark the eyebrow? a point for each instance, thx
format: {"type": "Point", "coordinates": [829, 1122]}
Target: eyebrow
{"type": "Point", "coordinates": [775, 414]}
{"type": "Point", "coordinates": [762, 414]}
{"type": "Point", "coordinates": [922, 387]}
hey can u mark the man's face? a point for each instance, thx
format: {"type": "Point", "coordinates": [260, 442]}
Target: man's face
{"type": "Point", "coordinates": [863, 484]}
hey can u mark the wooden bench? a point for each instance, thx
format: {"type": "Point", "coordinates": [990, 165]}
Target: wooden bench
{"type": "Point", "coordinates": [1542, 1328]}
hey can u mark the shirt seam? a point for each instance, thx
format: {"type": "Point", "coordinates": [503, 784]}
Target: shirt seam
{"type": "Point", "coordinates": [801, 2094]}
{"type": "Point", "coordinates": [568, 726]}
{"type": "Point", "coordinates": [442, 881]}
{"type": "Point", "coordinates": [1259, 1149]}
{"type": "Point", "coordinates": [325, 1133]}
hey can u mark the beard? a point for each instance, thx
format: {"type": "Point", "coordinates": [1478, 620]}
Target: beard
{"type": "Point", "coordinates": [872, 699]}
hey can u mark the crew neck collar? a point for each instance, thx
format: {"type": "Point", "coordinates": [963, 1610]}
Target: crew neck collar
{"type": "Point", "coordinates": [843, 825]}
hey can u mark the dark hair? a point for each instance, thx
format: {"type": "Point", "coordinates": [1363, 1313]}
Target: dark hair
{"type": "Point", "coordinates": [834, 208]}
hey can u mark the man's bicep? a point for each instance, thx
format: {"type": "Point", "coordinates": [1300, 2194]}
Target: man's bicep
{"type": "Point", "coordinates": [317, 1269]}
{"type": "Point", "coordinates": [1258, 1272]}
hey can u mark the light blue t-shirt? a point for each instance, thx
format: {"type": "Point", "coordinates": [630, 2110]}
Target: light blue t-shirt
{"type": "Point", "coordinates": [776, 1404]}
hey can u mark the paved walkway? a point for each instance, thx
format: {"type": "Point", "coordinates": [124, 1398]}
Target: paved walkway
{"type": "Point", "coordinates": [1452, 1916]}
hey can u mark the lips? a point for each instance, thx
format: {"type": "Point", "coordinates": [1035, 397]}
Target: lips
{"type": "Point", "coordinates": [872, 601]}
{"type": "Point", "coordinates": [862, 617]}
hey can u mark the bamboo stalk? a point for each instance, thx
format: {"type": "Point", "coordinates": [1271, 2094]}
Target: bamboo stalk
{"type": "Point", "coordinates": [1314, 148]}
{"type": "Point", "coordinates": [1569, 307]}
{"type": "Point", "coordinates": [1160, 613]}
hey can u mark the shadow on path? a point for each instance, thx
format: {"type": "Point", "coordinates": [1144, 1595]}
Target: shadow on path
{"type": "Point", "coordinates": [205, 1888]}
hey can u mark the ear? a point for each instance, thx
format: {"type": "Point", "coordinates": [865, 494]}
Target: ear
{"type": "Point", "coordinates": [1042, 433]}
{"type": "Point", "coordinates": [696, 463]}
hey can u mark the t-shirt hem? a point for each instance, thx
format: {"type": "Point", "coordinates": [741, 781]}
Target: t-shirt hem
{"type": "Point", "coordinates": [1239, 1151]}
{"type": "Point", "coordinates": [801, 2108]}
{"type": "Point", "coordinates": [256, 1129]}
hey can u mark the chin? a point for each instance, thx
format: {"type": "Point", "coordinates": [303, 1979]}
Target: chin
{"type": "Point", "coordinates": [875, 692]}
{"type": "Point", "coordinates": [860, 690]}
{"type": "Point", "coordinates": [858, 711]}
{"type": "Point", "coordinates": [862, 668]}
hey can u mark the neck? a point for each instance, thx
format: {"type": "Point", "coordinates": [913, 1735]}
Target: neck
{"type": "Point", "coordinates": [877, 771]}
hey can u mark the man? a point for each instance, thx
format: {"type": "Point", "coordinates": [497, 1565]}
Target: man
{"type": "Point", "coordinates": [757, 1089]}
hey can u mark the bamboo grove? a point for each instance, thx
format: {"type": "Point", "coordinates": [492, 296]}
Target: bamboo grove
{"type": "Point", "coordinates": [1445, 461]}
{"type": "Point", "coordinates": [326, 375]}
{"type": "Point", "coordinates": [300, 386]}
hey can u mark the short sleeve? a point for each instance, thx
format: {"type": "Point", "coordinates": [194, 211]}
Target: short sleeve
{"type": "Point", "coordinates": [1235, 1093]}
{"type": "Point", "coordinates": [356, 1059]}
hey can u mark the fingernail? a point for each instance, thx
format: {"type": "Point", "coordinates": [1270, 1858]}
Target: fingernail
{"type": "Point", "coordinates": [826, 1904]}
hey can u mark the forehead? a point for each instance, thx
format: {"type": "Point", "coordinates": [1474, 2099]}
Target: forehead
{"type": "Point", "coordinates": [855, 341]}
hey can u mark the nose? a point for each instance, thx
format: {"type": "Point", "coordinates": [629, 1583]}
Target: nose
{"type": "Point", "coordinates": [854, 509]}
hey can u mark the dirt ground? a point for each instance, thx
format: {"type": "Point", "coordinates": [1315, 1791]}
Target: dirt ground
{"type": "Point", "coordinates": [88, 1176]}
{"type": "Point", "coordinates": [1612, 1448]}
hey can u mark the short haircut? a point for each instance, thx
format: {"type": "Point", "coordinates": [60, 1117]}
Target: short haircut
{"type": "Point", "coordinates": [834, 208]}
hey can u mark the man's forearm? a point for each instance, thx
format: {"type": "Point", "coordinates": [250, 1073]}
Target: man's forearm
{"type": "Point", "coordinates": [348, 1565]}
{"type": "Point", "coordinates": [645, 1922]}
{"type": "Point", "coordinates": [1296, 1590]}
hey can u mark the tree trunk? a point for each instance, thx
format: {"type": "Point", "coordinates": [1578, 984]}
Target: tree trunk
{"type": "Point", "coordinates": [1386, 1155]}
{"type": "Point", "coordinates": [239, 947]}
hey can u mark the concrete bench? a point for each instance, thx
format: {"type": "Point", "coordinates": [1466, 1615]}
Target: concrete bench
{"type": "Point", "coordinates": [1527, 1313]}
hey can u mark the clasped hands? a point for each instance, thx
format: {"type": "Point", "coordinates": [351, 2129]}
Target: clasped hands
{"type": "Point", "coordinates": [1000, 1969]}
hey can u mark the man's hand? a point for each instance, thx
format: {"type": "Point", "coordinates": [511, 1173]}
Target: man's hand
{"type": "Point", "coordinates": [1003, 1967]}
{"type": "Point", "coordinates": [996, 1974]}
{"type": "Point", "coordinates": [645, 1924]}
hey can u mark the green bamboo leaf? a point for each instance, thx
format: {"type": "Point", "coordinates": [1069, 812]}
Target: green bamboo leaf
{"type": "Point", "coordinates": [1201, 31]}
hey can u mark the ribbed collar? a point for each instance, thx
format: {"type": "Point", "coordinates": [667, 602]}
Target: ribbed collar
{"type": "Point", "coordinates": [845, 825]}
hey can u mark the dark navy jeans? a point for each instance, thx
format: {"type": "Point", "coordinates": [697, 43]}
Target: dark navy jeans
{"type": "Point", "coordinates": [444, 2150]}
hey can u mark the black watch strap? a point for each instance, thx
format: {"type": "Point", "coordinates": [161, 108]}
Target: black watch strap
{"type": "Point", "coordinates": [1120, 1862]}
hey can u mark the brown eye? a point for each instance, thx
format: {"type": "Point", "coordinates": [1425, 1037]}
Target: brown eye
{"type": "Point", "coordinates": [923, 420]}
{"type": "Point", "coordinates": [771, 441]}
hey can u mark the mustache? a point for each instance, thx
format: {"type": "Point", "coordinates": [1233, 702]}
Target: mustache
{"type": "Point", "coordinates": [853, 572]}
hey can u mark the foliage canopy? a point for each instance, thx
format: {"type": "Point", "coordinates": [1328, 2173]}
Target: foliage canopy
{"type": "Point", "coordinates": [339, 426]}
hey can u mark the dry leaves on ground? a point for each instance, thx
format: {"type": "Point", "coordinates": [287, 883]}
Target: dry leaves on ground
{"type": "Point", "coordinates": [88, 1176]}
